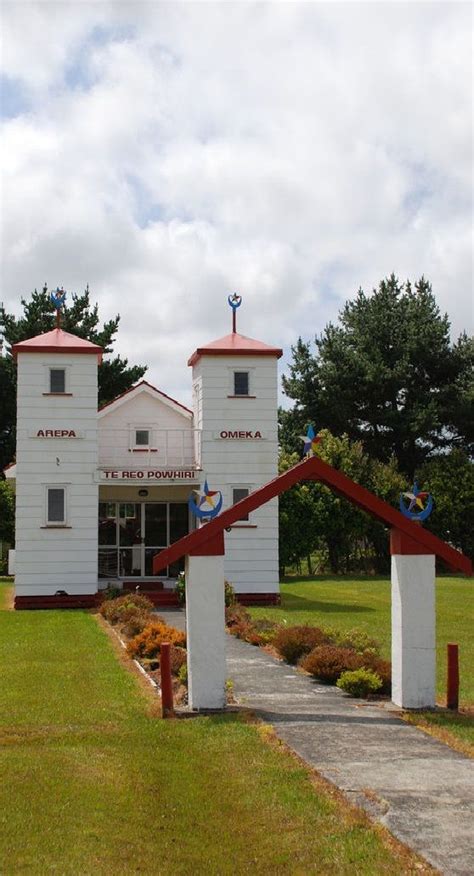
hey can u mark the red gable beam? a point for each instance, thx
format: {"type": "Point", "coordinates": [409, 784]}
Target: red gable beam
{"type": "Point", "coordinates": [312, 469]}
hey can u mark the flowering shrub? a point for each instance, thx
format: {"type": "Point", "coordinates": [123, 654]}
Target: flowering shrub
{"type": "Point", "coordinates": [148, 642]}
{"type": "Point", "coordinates": [327, 662]}
{"type": "Point", "coordinates": [359, 682]}
{"type": "Point", "coordinates": [294, 642]}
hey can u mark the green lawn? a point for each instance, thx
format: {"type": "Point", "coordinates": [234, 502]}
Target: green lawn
{"type": "Point", "coordinates": [92, 783]}
{"type": "Point", "coordinates": [348, 602]}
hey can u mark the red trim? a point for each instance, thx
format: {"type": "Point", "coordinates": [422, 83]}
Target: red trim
{"type": "Point", "coordinates": [86, 600]}
{"type": "Point", "coordinates": [241, 396]}
{"type": "Point", "coordinates": [452, 685]}
{"type": "Point", "coordinates": [315, 469]}
{"type": "Point", "coordinates": [131, 586]}
{"type": "Point", "coordinates": [150, 386]}
{"type": "Point", "coordinates": [61, 394]}
{"type": "Point", "coordinates": [258, 598]}
{"type": "Point", "coordinates": [214, 547]}
{"type": "Point", "coordinates": [401, 543]}
{"type": "Point", "coordinates": [10, 465]}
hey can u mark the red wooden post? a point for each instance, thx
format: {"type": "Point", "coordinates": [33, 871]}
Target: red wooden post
{"type": "Point", "coordinates": [453, 677]}
{"type": "Point", "coordinates": [167, 710]}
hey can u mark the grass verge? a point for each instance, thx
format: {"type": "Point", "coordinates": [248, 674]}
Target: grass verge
{"type": "Point", "coordinates": [92, 782]}
{"type": "Point", "coordinates": [6, 594]}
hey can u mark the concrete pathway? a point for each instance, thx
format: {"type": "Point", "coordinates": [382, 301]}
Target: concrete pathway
{"type": "Point", "coordinates": [418, 788]}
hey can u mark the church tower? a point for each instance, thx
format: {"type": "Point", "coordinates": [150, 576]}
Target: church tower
{"type": "Point", "coordinates": [56, 484]}
{"type": "Point", "coordinates": [235, 400]}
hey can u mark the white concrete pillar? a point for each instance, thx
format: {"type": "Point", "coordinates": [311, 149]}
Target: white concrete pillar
{"type": "Point", "coordinates": [413, 631]}
{"type": "Point", "coordinates": [205, 631]}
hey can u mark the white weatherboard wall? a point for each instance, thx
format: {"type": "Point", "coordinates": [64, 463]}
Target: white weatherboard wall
{"type": "Point", "coordinates": [413, 631]}
{"type": "Point", "coordinates": [251, 547]}
{"type": "Point", "coordinates": [49, 559]}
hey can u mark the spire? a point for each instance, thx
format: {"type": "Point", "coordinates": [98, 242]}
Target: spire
{"type": "Point", "coordinates": [235, 301]}
{"type": "Point", "coordinates": [58, 298]}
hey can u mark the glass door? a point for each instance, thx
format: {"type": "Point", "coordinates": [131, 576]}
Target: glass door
{"type": "Point", "coordinates": [130, 539]}
{"type": "Point", "coordinates": [156, 532]}
{"type": "Point", "coordinates": [131, 533]}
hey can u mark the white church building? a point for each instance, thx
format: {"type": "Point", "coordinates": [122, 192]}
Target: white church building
{"type": "Point", "coordinates": [100, 492]}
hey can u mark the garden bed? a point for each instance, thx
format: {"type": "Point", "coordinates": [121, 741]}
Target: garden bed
{"type": "Point", "coordinates": [351, 660]}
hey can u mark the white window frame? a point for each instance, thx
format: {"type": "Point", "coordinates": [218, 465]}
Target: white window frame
{"type": "Point", "coordinates": [239, 370]}
{"type": "Point", "coordinates": [140, 427]}
{"type": "Point", "coordinates": [52, 523]}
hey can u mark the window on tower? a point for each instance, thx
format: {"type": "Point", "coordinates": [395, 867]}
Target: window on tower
{"type": "Point", "coordinates": [239, 493]}
{"type": "Point", "coordinates": [57, 380]}
{"type": "Point", "coordinates": [241, 383]}
{"type": "Point", "coordinates": [55, 506]}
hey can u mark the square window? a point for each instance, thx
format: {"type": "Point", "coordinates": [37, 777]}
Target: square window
{"type": "Point", "coordinates": [142, 437]}
{"type": "Point", "coordinates": [56, 505]}
{"type": "Point", "coordinates": [241, 383]}
{"type": "Point", "coordinates": [239, 493]}
{"type": "Point", "coordinates": [57, 380]}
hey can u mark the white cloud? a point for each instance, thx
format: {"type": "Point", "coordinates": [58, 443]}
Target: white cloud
{"type": "Point", "coordinates": [171, 153]}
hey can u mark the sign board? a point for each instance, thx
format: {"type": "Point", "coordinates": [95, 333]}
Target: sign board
{"type": "Point", "coordinates": [149, 475]}
{"type": "Point", "coordinates": [56, 433]}
{"type": "Point", "coordinates": [240, 435]}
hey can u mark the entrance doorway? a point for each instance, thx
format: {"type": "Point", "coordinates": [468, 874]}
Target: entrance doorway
{"type": "Point", "coordinates": [131, 533]}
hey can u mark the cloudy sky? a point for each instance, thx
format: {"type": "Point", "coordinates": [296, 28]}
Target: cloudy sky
{"type": "Point", "coordinates": [170, 153]}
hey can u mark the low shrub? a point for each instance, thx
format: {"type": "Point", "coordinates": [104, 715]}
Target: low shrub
{"type": "Point", "coordinates": [294, 642]}
{"type": "Point", "coordinates": [354, 639]}
{"type": "Point", "coordinates": [229, 594]}
{"type": "Point", "coordinates": [134, 621]}
{"type": "Point", "coordinates": [359, 682]}
{"type": "Point", "coordinates": [183, 675]}
{"type": "Point", "coordinates": [114, 610]}
{"type": "Point", "coordinates": [381, 667]}
{"type": "Point", "coordinates": [111, 592]}
{"type": "Point", "coordinates": [265, 629]}
{"type": "Point", "coordinates": [148, 642]}
{"type": "Point", "coordinates": [236, 614]}
{"type": "Point", "coordinates": [178, 658]}
{"type": "Point", "coordinates": [327, 662]}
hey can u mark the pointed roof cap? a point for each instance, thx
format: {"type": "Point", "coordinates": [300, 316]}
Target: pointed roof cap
{"type": "Point", "coordinates": [235, 345]}
{"type": "Point", "coordinates": [56, 341]}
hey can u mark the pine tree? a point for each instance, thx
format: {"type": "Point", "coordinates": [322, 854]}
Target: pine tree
{"type": "Point", "coordinates": [386, 375]}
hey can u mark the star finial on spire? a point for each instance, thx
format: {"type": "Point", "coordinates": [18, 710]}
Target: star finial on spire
{"type": "Point", "coordinates": [58, 297]}
{"type": "Point", "coordinates": [234, 301]}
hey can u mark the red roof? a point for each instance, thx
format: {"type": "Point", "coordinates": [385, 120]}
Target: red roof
{"type": "Point", "coordinates": [235, 345]}
{"type": "Point", "coordinates": [56, 341]}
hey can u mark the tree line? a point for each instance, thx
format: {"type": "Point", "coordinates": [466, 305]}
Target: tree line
{"type": "Point", "coordinates": [394, 398]}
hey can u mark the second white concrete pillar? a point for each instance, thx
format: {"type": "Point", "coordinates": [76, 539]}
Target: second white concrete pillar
{"type": "Point", "coordinates": [413, 631]}
{"type": "Point", "coordinates": [205, 631]}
